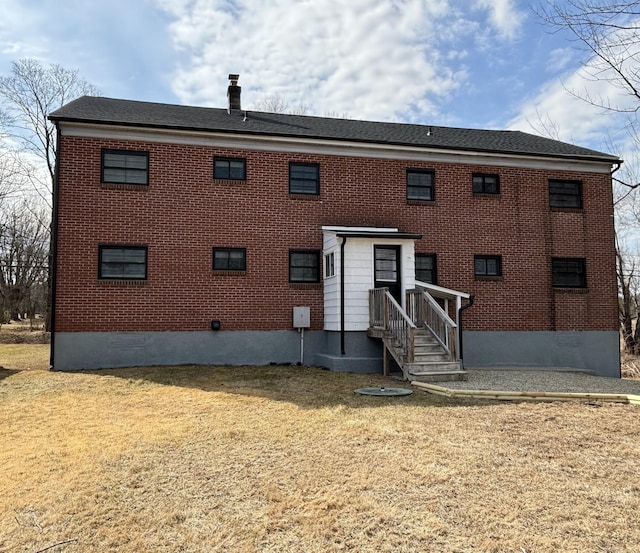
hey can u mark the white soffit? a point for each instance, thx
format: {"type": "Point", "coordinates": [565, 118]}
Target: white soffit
{"type": "Point", "coordinates": [328, 147]}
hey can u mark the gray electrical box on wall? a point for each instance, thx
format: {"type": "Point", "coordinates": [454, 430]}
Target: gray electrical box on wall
{"type": "Point", "coordinates": [301, 317]}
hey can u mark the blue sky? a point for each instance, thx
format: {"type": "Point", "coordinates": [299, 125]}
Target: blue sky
{"type": "Point", "coordinates": [466, 63]}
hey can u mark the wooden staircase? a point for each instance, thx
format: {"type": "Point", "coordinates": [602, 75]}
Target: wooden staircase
{"type": "Point", "coordinates": [422, 342]}
{"type": "Point", "coordinates": [431, 362]}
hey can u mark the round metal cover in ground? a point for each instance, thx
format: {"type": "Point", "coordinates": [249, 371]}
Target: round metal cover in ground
{"type": "Point", "coordinates": [383, 391]}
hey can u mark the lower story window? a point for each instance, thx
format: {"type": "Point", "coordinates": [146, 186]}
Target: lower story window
{"type": "Point", "coordinates": [229, 259]}
{"type": "Point", "coordinates": [426, 268]}
{"type": "Point", "coordinates": [569, 272]}
{"type": "Point", "coordinates": [487, 265]}
{"type": "Point", "coordinates": [122, 262]}
{"type": "Point", "coordinates": [304, 266]}
{"type": "Point", "coordinates": [329, 265]}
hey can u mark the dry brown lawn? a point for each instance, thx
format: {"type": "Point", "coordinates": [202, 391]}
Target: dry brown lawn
{"type": "Point", "coordinates": [289, 459]}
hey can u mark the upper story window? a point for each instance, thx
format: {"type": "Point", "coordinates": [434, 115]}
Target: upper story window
{"type": "Point", "coordinates": [485, 184]}
{"type": "Point", "coordinates": [487, 265]}
{"type": "Point", "coordinates": [420, 184]}
{"type": "Point", "coordinates": [304, 266]}
{"type": "Point", "coordinates": [569, 272]}
{"type": "Point", "coordinates": [122, 262]}
{"type": "Point", "coordinates": [125, 167]}
{"type": "Point", "coordinates": [565, 193]}
{"type": "Point", "coordinates": [229, 168]}
{"type": "Point", "coordinates": [304, 178]}
{"type": "Point", "coordinates": [426, 268]}
{"type": "Point", "coordinates": [229, 259]}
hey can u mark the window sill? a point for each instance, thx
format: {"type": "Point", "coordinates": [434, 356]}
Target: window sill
{"type": "Point", "coordinates": [566, 209]}
{"type": "Point", "coordinates": [494, 195]}
{"type": "Point", "coordinates": [121, 282]}
{"type": "Point", "coordinates": [305, 285]}
{"type": "Point", "coordinates": [570, 290]}
{"type": "Point", "coordinates": [421, 202]}
{"type": "Point", "coordinates": [230, 182]}
{"type": "Point", "coordinates": [219, 272]}
{"type": "Point", "coordinates": [312, 197]}
{"type": "Point", "coordinates": [498, 278]}
{"type": "Point", "coordinates": [114, 186]}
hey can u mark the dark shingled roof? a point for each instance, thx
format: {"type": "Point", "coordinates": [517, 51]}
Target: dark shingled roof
{"type": "Point", "coordinates": [98, 110]}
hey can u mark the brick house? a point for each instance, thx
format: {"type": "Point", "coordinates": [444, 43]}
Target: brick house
{"type": "Point", "coordinates": [219, 236]}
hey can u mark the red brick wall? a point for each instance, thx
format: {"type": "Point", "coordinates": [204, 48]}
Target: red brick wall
{"type": "Point", "coordinates": [184, 213]}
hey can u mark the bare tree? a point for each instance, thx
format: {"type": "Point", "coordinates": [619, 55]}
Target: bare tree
{"type": "Point", "coordinates": [608, 31]}
{"type": "Point", "coordinates": [278, 104]}
{"type": "Point", "coordinates": [29, 94]}
{"type": "Point", "coordinates": [24, 250]}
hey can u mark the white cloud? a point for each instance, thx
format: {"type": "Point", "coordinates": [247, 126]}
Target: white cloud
{"type": "Point", "coordinates": [504, 16]}
{"type": "Point", "coordinates": [394, 60]}
{"type": "Point", "coordinates": [560, 59]}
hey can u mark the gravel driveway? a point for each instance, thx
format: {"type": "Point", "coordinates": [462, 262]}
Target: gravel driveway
{"type": "Point", "coordinates": [516, 380]}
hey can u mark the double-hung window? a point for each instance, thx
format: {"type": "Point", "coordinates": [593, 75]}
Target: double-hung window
{"type": "Point", "coordinates": [304, 266]}
{"type": "Point", "coordinates": [426, 268]}
{"type": "Point", "coordinates": [569, 272]}
{"type": "Point", "coordinates": [565, 193]}
{"type": "Point", "coordinates": [304, 178]}
{"type": "Point", "coordinates": [125, 167]}
{"type": "Point", "coordinates": [122, 262]}
{"type": "Point", "coordinates": [229, 259]}
{"type": "Point", "coordinates": [420, 184]}
{"type": "Point", "coordinates": [487, 265]}
{"type": "Point", "coordinates": [229, 168]}
{"type": "Point", "coordinates": [329, 265]}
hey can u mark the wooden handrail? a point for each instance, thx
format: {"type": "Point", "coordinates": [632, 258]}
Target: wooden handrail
{"type": "Point", "coordinates": [385, 313]}
{"type": "Point", "coordinates": [425, 311]}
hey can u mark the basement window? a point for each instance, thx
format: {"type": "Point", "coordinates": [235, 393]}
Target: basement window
{"type": "Point", "coordinates": [125, 167]}
{"type": "Point", "coordinates": [568, 272]}
{"type": "Point", "coordinates": [118, 262]}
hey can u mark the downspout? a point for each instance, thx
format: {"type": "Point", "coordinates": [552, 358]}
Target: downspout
{"type": "Point", "coordinates": [342, 336]}
{"type": "Point", "coordinates": [615, 245]}
{"type": "Point", "coordinates": [460, 310]}
{"type": "Point", "coordinates": [53, 253]}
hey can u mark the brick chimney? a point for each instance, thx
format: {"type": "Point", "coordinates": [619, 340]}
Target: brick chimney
{"type": "Point", "coordinates": [233, 93]}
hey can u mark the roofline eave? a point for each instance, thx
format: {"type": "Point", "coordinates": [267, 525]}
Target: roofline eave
{"type": "Point", "coordinates": [324, 140]}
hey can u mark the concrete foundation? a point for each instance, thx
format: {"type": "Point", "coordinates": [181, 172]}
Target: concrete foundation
{"type": "Point", "coordinates": [597, 352]}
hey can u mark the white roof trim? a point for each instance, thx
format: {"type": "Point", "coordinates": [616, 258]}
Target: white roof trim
{"type": "Point", "coordinates": [358, 229]}
{"type": "Point", "coordinates": [328, 147]}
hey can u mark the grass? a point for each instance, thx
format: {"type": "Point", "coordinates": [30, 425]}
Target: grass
{"type": "Point", "coordinates": [275, 459]}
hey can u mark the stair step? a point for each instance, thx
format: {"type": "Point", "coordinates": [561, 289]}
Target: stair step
{"type": "Point", "coordinates": [438, 376]}
{"type": "Point", "coordinates": [431, 355]}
